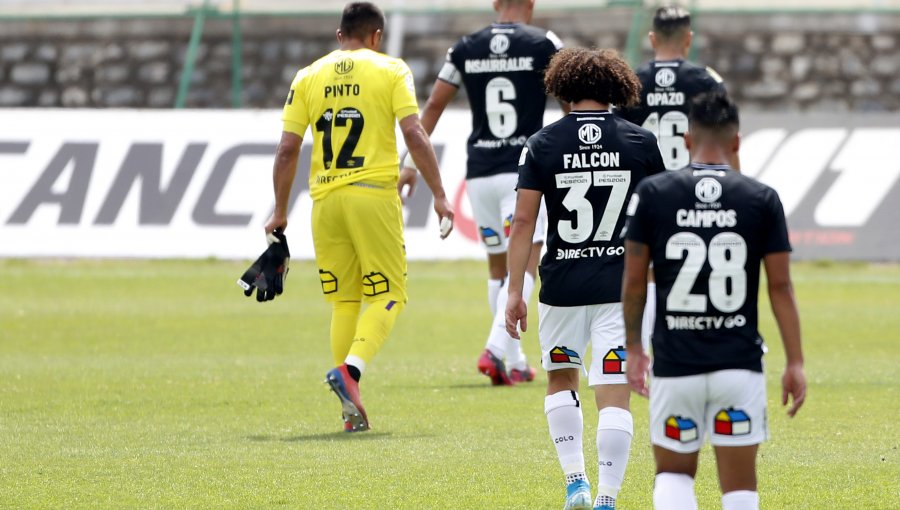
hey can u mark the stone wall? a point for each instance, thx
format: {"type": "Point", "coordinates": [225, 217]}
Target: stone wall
{"type": "Point", "coordinates": [823, 62]}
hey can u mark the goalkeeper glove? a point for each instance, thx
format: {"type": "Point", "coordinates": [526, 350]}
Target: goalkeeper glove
{"type": "Point", "coordinates": [269, 271]}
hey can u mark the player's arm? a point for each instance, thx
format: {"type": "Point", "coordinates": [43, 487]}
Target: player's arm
{"type": "Point", "coordinates": [634, 298]}
{"type": "Point", "coordinates": [285, 168]}
{"type": "Point", "coordinates": [422, 152]}
{"type": "Point", "coordinates": [528, 204]}
{"type": "Point", "coordinates": [441, 95]}
{"type": "Point", "coordinates": [784, 306]}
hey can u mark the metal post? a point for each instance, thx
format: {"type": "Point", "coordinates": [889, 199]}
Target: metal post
{"type": "Point", "coordinates": [191, 55]}
{"type": "Point", "coordinates": [635, 35]}
{"type": "Point", "coordinates": [237, 65]}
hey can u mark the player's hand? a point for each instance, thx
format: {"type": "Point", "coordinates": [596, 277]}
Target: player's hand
{"type": "Point", "coordinates": [444, 210]}
{"type": "Point", "coordinates": [268, 273]}
{"type": "Point", "coordinates": [406, 185]}
{"type": "Point", "coordinates": [276, 222]}
{"type": "Point", "coordinates": [637, 369]}
{"type": "Point", "coordinates": [516, 315]}
{"type": "Point", "coordinates": [793, 385]}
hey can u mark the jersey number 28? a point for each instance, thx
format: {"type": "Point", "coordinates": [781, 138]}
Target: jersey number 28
{"type": "Point", "coordinates": [726, 255]}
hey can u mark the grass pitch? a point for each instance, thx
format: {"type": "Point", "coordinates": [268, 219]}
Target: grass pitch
{"type": "Point", "coordinates": [151, 384]}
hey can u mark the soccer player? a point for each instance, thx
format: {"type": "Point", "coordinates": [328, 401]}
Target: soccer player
{"type": "Point", "coordinates": [584, 166]}
{"type": "Point", "coordinates": [351, 98]}
{"type": "Point", "coordinates": [668, 83]}
{"type": "Point", "coordinates": [502, 68]}
{"type": "Point", "coordinates": [706, 229]}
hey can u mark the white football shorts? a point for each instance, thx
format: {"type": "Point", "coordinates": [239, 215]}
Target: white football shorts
{"type": "Point", "coordinates": [566, 331]}
{"type": "Point", "coordinates": [728, 406]}
{"type": "Point", "coordinates": [493, 200]}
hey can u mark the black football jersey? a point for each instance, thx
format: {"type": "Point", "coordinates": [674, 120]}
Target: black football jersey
{"type": "Point", "coordinates": [667, 88]}
{"type": "Point", "coordinates": [707, 228]}
{"type": "Point", "coordinates": [502, 67]}
{"type": "Point", "coordinates": [586, 165]}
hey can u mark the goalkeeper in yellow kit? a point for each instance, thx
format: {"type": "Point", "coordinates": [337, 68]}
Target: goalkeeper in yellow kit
{"type": "Point", "coordinates": [350, 100]}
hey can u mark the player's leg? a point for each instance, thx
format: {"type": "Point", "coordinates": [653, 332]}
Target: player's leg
{"type": "Point", "coordinates": [677, 429]}
{"type": "Point", "coordinates": [562, 405]}
{"type": "Point", "coordinates": [737, 422]}
{"type": "Point", "coordinates": [377, 234]}
{"type": "Point", "coordinates": [339, 277]}
{"type": "Point", "coordinates": [487, 215]}
{"type": "Point", "coordinates": [615, 425]}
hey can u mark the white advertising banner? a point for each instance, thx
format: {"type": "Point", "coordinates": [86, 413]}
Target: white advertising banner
{"type": "Point", "coordinates": [197, 183]}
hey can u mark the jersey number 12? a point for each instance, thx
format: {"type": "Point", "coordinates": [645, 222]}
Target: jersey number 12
{"type": "Point", "coordinates": [345, 158]}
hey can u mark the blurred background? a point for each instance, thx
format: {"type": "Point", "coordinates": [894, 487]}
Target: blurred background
{"type": "Point", "coordinates": [795, 55]}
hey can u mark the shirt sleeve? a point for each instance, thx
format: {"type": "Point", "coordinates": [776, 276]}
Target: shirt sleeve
{"type": "Point", "coordinates": [449, 72]}
{"type": "Point", "coordinates": [655, 161]}
{"type": "Point", "coordinates": [637, 216]}
{"type": "Point", "coordinates": [404, 96]}
{"type": "Point", "coordinates": [295, 114]}
{"type": "Point", "coordinates": [777, 238]}
{"type": "Point", "coordinates": [529, 171]}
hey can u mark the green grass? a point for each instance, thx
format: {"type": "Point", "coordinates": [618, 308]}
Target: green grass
{"type": "Point", "coordinates": [156, 384]}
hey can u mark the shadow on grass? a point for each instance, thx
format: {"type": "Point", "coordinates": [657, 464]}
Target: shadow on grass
{"type": "Point", "coordinates": [330, 436]}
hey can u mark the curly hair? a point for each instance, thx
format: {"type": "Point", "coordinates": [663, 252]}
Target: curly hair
{"type": "Point", "coordinates": [575, 74]}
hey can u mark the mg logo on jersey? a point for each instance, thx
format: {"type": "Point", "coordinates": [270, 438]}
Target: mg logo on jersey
{"type": "Point", "coordinates": [589, 133]}
{"type": "Point", "coordinates": [343, 66]}
{"type": "Point", "coordinates": [708, 190]}
{"type": "Point", "coordinates": [499, 44]}
{"type": "Point", "coordinates": [665, 77]}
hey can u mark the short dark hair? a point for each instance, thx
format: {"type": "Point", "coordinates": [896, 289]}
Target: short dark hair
{"type": "Point", "coordinates": [714, 112]}
{"type": "Point", "coordinates": [360, 19]}
{"type": "Point", "coordinates": [575, 74]}
{"type": "Point", "coordinates": [671, 22]}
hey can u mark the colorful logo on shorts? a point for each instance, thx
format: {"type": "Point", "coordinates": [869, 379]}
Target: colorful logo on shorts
{"type": "Point", "coordinates": [375, 283]}
{"type": "Point", "coordinates": [489, 236]}
{"type": "Point", "coordinates": [564, 355]}
{"type": "Point", "coordinates": [614, 361]}
{"type": "Point", "coordinates": [329, 282]}
{"type": "Point", "coordinates": [732, 422]}
{"type": "Point", "coordinates": [681, 429]}
{"type": "Point", "coordinates": [507, 225]}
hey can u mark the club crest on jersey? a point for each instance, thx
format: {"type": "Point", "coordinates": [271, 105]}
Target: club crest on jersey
{"type": "Point", "coordinates": [489, 236]}
{"type": "Point", "coordinates": [665, 77]}
{"type": "Point", "coordinates": [343, 66]}
{"type": "Point", "coordinates": [499, 44]}
{"type": "Point", "coordinates": [507, 225]}
{"type": "Point", "coordinates": [563, 354]}
{"type": "Point", "coordinates": [589, 133]}
{"type": "Point", "coordinates": [732, 422]}
{"type": "Point", "coordinates": [683, 430]}
{"type": "Point", "coordinates": [708, 190]}
{"type": "Point", "coordinates": [614, 361]}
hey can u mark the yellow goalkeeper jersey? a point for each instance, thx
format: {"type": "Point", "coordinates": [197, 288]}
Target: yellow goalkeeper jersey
{"type": "Point", "coordinates": [350, 100]}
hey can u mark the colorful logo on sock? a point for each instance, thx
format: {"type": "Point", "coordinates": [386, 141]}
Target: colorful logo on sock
{"type": "Point", "coordinates": [732, 422]}
{"type": "Point", "coordinates": [563, 354]}
{"type": "Point", "coordinates": [681, 429]}
{"type": "Point", "coordinates": [507, 225]}
{"type": "Point", "coordinates": [489, 236]}
{"type": "Point", "coordinates": [614, 361]}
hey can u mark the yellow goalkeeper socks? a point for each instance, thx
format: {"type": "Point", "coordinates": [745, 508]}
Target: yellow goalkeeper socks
{"type": "Point", "coordinates": [375, 325]}
{"type": "Point", "coordinates": [344, 317]}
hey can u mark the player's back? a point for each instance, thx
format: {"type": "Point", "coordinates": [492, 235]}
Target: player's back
{"type": "Point", "coordinates": [350, 100]}
{"type": "Point", "coordinates": [667, 87]}
{"type": "Point", "coordinates": [502, 68]}
{"type": "Point", "coordinates": [587, 164]}
{"type": "Point", "coordinates": [708, 228]}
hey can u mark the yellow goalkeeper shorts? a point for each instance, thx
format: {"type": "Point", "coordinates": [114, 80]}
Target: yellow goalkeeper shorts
{"type": "Point", "coordinates": [358, 237]}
